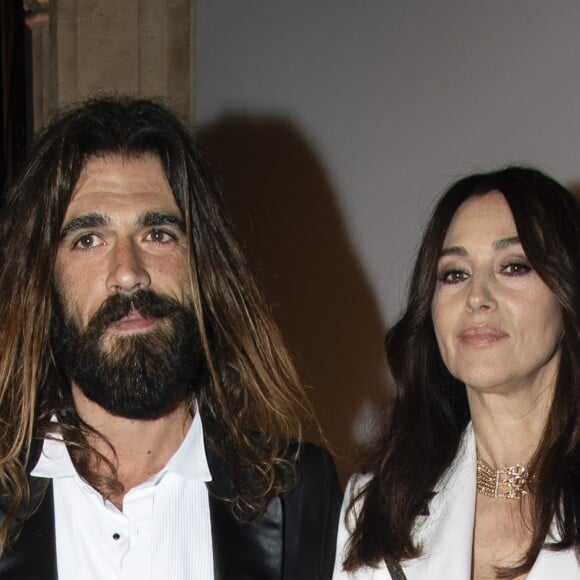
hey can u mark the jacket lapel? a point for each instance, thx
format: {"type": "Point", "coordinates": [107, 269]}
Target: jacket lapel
{"type": "Point", "coordinates": [446, 534]}
{"type": "Point", "coordinates": [549, 564]}
{"type": "Point", "coordinates": [242, 551]}
{"type": "Point", "coordinates": [33, 554]}
{"type": "Point", "coordinates": [555, 565]}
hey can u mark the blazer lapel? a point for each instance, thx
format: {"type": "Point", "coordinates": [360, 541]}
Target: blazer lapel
{"type": "Point", "coordinates": [242, 551]}
{"type": "Point", "coordinates": [33, 554]}
{"type": "Point", "coordinates": [555, 565]}
{"type": "Point", "coordinates": [446, 534]}
{"type": "Point", "coordinates": [548, 564]}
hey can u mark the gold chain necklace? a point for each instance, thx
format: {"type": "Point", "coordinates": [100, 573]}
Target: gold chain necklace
{"type": "Point", "coordinates": [506, 483]}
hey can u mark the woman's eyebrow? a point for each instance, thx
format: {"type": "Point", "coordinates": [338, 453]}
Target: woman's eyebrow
{"type": "Point", "coordinates": [453, 251]}
{"type": "Point", "coordinates": [497, 245]}
{"type": "Point", "coordinates": [506, 243]}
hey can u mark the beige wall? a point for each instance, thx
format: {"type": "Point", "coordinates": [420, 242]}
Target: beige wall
{"type": "Point", "coordinates": [350, 118]}
{"type": "Point", "coordinates": [138, 47]}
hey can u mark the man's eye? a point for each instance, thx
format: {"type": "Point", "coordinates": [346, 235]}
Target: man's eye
{"type": "Point", "coordinates": [453, 276]}
{"type": "Point", "coordinates": [87, 242]}
{"type": "Point", "coordinates": [160, 236]}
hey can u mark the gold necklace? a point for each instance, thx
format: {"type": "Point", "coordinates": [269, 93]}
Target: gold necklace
{"type": "Point", "coordinates": [506, 483]}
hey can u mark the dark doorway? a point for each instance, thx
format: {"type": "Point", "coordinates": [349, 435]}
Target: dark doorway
{"type": "Point", "coordinates": [15, 101]}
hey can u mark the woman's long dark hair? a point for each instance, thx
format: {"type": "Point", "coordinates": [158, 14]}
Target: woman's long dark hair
{"type": "Point", "coordinates": [421, 438]}
{"type": "Point", "coordinates": [249, 384]}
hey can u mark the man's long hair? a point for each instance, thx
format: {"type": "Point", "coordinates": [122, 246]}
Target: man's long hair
{"type": "Point", "coordinates": [422, 437]}
{"type": "Point", "coordinates": [249, 395]}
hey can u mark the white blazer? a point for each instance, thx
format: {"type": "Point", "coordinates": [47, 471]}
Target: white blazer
{"type": "Point", "coordinates": [446, 534]}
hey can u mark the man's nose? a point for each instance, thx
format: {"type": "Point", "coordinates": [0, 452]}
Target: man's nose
{"type": "Point", "coordinates": [127, 271]}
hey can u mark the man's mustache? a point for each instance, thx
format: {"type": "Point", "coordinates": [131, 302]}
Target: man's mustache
{"type": "Point", "coordinates": [146, 302]}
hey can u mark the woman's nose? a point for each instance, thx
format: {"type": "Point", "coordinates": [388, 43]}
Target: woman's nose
{"type": "Point", "coordinates": [480, 295]}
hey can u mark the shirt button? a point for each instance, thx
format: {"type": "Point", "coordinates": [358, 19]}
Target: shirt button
{"type": "Point", "coordinates": [116, 536]}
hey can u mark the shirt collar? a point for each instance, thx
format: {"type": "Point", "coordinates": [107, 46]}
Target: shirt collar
{"type": "Point", "coordinates": [54, 461]}
{"type": "Point", "coordinates": [189, 461]}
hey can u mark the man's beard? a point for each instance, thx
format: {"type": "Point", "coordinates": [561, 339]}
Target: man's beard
{"type": "Point", "coordinates": [140, 375]}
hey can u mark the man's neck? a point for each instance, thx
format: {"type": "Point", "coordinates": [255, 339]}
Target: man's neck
{"type": "Point", "coordinates": [141, 447]}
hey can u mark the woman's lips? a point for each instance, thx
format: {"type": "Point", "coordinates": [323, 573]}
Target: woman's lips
{"type": "Point", "coordinates": [481, 335]}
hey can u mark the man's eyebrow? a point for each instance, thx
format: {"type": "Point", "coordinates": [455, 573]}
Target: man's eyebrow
{"type": "Point", "coordinates": [497, 245]}
{"type": "Point", "coordinates": [155, 218]}
{"type": "Point", "coordinates": [90, 220]}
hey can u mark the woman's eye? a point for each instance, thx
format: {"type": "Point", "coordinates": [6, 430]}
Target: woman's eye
{"type": "Point", "coordinates": [516, 268]}
{"type": "Point", "coordinates": [453, 276]}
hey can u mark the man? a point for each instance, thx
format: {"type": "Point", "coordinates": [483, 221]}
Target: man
{"type": "Point", "coordinates": [151, 415]}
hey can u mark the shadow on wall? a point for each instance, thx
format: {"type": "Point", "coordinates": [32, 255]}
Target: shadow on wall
{"type": "Point", "coordinates": [284, 210]}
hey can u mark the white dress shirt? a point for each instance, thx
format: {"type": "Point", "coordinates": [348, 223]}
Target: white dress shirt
{"type": "Point", "coordinates": [164, 530]}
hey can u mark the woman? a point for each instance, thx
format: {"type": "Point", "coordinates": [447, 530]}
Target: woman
{"type": "Point", "coordinates": [477, 472]}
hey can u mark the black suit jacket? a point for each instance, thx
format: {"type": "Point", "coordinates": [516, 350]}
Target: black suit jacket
{"type": "Point", "coordinates": [294, 540]}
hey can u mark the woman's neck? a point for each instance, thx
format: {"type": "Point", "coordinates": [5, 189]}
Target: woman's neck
{"type": "Point", "coordinates": [508, 429]}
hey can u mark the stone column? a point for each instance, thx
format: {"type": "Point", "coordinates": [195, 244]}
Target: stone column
{"type": "Point", "coordinates": [37, 21]}
{"type": "Point", "coordinates": [136, 47]}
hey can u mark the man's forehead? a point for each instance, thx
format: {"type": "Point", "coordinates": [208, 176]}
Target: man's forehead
{"type": "Point", "coordinates": [116, 180]}
{"type": "Point", "coordinates": [114, 167]}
